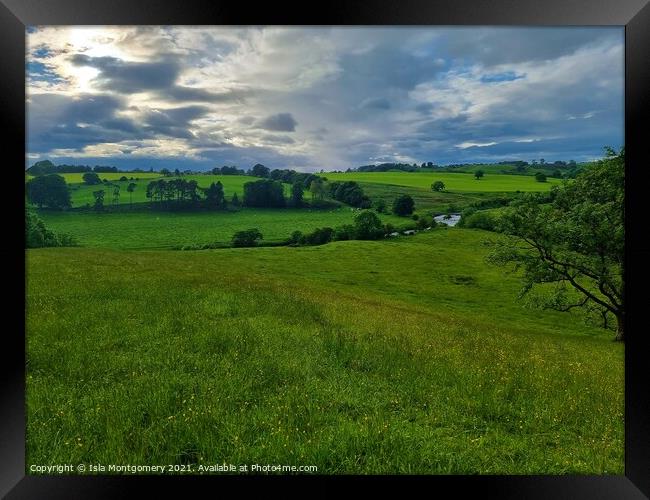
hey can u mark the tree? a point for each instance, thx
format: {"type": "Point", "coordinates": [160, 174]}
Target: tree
{"type": "Point", "coordinates": [438, 186]}
{"type": "Point", "coordinates": [91, 178]}
{"type": "Point", "coordinates": [214, 196]}
{"type": "Point", "coordinates": [264, 193]}
{"type": "Point", "coordinates": [99, 200]}
{"type": "Point", "coordinates": [130, 188]}
{"type": "Point", "coordinates": [479, 174]}
{"type": "Point", "coordinates": [116, 195]}
{"type": "Point", "coordinates": [571, 250]}
{"type": "Point", "coordinates": [246, 238]}
{"type": "Point", "coordinates": [37, 235]}
{"type": "Point", "coordinates": [540, 177]}
{"type": "Point", "coordinates": [260, 170]}
{"type": "Point", "coordinates": [367, 226]}
{"type": "Point", "coordinates": [297, 191]}
{"type": "Point", "coordinates": [380, 206]}
{"type": "Point", "coordinates": [165, 172]}
{"type": "Point", "coordinates": [403, 205]}
{"type": "Point", "coordinates": [235, 200]}
{"type": "Point", "coordinates": [317, 189]}
{"type": "Point", "coordinates": [50, 191]}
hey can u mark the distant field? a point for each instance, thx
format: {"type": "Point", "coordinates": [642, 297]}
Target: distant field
{"type": "Point", "coordinates": [404, 356]}
{"type": "Point", "coordinates": [158, 229]}
{"type": "Point", "coordinates": [77, 177]}
{"type": "Point", "coordinates": [83, 194]}
{"type": "Point", "coordinates": [454, 182]}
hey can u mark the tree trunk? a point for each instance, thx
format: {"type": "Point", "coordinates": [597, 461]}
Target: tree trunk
{"type": "Point", "coordinates": [620, 329]}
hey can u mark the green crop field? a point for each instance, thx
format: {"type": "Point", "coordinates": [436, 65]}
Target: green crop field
{"type": "Point", "coordinates": [403, 356]}
{"type": "Point", "coordinates": [159, 229]}
{"type": "Point", "coordinates": [454, 182]}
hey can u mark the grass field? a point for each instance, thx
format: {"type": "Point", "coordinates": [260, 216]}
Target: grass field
{"type": "Point", "coordinates": [402, 356]}
{"type": "Point", "coordinates": [159, 229]}
{"type": "Point", "coordinates": [454, 182]}
{"type": "Point", "coordinates": [77, 178]}
{"type": "Point", "coordinates": [82, 194]}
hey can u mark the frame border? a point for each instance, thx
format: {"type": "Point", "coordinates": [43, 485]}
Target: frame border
{"type": "Point", "coordinates": [16, 15]}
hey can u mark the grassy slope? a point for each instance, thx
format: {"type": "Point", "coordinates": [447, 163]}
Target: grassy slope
{"type": "Point", "coordinates": [83, 194]}
{"type": "Point", "coordinates": [354, 356]}
{"type": "Point", "coordinates": [454, 182]}
{"type": "Point", "coordinates": [72, 178]}
{"type": "Point", "coordinates": [157, 229]}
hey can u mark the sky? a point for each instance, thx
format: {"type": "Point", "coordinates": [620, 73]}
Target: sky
{"type": "Point", "coordinates": [311, 98]}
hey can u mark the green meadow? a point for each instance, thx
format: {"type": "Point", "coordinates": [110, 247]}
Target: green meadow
{"type": "Point", "coordinates": [404, 355]}
{"type": "Point", "coordinates": [77, 177]}
{"type": "Point", "coordinates": [82, 194]}
{"type": "Point", "coordinates": [160, 229]}
{"type": "Point", "coordinates": [454, 181]}
{"type": "Point", "coordinates": [408, 356]}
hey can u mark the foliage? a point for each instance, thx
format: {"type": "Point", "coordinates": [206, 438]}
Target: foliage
{"type": "Point", "coordinates": [403, 205]}
{"type": "Point", "coordinates": [91, 178]}
{"type": "Point", "coordinates": [214, 197]}
{"type": "Point", "coordinates": [350, 193]}
{"type": "Point", "coordinates": [265, 193]}
{"type": "Point", "coordinates": [541, 177]}
{"type": "Point", "coordinates": [246, 238]}
{"type": "Point", "coordinates": [49, 191]}
{"type": "Point", "coordinates": [260, 170]}
{"type": "Point", "coordinates": [574, 244]}
{"type": "Point", "coordinates": [367, 226]}
{"type": "Point", "coordinates": [380, 206]}
{"type": "Point", "coordinates": [479, 174]}
{"type": "Point", "coordinates": [297, 191]}
{"type": "Point", "coordinates": [37, 235]}
{"type": "Point", "coordinates": [99, 200]}
{"type": "Point", "coordinates": [438, 186]}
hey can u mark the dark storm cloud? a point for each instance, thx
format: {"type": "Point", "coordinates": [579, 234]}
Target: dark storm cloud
{"type": "Point", "coordinates": [282, 122]}
{"type": "Point", "coordinates": [126, 77]}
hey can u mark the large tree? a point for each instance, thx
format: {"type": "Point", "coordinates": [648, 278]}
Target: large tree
{"type": "Point", "coordinates": [572, 246]}
{"type": "Point", "coordinates": [49, 190]}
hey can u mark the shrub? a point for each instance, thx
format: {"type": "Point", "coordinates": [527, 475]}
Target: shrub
{"type": "Point", "coordinates": [367, 226]}
{"type": "Point", "coordinates": [540, 177]}
{"type": "Point", "coordinates": [480, 220]}
{"type": "Point", "coordinates": [343, 233]}
{"type": "Point", "coordinates": [246, 238]}
{"type": "Point", "coordinates": [37, 235]}
{"type": "Point", "coordinates": [438, 186]}
{"type": "Point", "coordinates": [319, 236]}
{"type": "Point", "coordinates": [403, 205]}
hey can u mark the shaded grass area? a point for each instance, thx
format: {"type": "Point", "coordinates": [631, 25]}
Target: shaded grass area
{"type": "Point", "coordinates": [252, 356]}
{"type": "Point", "coordinates": [160, 229]}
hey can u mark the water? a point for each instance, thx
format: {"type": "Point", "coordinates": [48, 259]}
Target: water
{"type": "Point", "coordinates": [451, 221]}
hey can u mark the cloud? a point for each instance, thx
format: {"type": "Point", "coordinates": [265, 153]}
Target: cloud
{"type": "Point", "coordinates": [281, 122]}
{"type": "Point", "coordinates": [219, 94]}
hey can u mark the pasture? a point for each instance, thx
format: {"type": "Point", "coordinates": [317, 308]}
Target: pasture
{"type": "Point", "coordinates": [161, 229]}
{"type": "Point", "coordinates": [402, 356]}
{"type": "Point", "coordinates": [82, 194]}
{"type": "Point", "coordinates": [454, 181]}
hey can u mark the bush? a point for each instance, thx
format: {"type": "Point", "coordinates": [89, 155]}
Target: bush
{"type": "Point", "coordinates": [367, 226]}
{"type": "Point", "coordinates": [91, 178]}
{"type": "Point", "coordinates": [344, 233]}
{"type": "Point", "coordinates": [480, 220]}
{"type": "Point", "coordinates": [320, 236]}
{"type": "Point", "coordinates": [403, 205]}
{"type": "Point", "coordinates": [380, 206]}
{"type": "Point", "coordinates": [540, 177]}
{"type": "Point", "coordinates": [39, 236]}
{"type": "Point", "coordinates": [246, 238]}
{"type": "Point", "coordinates": [296, 238]}
{"type": "Point", "coordinates": [438, 186]}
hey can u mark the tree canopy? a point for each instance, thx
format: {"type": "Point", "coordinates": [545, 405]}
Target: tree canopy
{"type": "Point", "coordinates": [49, 191]}
{"type": "Point", "coordinates": [571, 250]}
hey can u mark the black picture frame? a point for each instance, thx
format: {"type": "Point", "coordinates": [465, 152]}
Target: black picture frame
{"type": "Point", "coordinates": [15, 15]}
